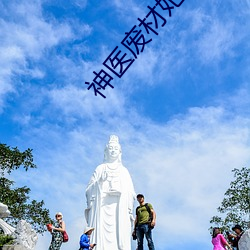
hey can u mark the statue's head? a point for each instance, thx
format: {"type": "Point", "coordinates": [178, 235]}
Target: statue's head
{"type": "Point", "coordinates": [113, 150]}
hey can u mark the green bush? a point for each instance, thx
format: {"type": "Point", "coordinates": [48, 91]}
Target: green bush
{"type": "Point", "coordinates": [6, 240]}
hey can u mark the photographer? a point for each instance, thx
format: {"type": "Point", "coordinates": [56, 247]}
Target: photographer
{"type": "Point", "coordinates": [236, 237]}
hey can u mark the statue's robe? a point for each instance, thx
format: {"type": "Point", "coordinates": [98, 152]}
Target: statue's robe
{"type": "Point", "coordinates": [110, 197]}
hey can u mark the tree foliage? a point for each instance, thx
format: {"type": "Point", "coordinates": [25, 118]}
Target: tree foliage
{"type": "Point", "coordinates": [235, 206]}
{"type": "Point", "coordinates": [6, 239]}
{"type": "Point", "coordinates": [12, 159]}
{"type": "Point", "coordinates": [17, 199]}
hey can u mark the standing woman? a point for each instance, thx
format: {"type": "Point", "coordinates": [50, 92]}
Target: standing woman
{"type": "Point", "coordinates": [57, 230]}
{"type": "Point", "coordinates": [218, 240]}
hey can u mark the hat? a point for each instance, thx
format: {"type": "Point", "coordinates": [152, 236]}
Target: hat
{"type": "Point", "coordinates": [87, 229]}
{"type": "Point", "coordinates": [140, 195]}
{"type": "Point", "coordinates": [59, 213]}
{"type": "Point", "coordinates": [237, 227]}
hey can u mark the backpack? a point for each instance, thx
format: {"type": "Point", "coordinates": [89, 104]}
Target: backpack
{"type": "Point", "coordinates": [149, 212]}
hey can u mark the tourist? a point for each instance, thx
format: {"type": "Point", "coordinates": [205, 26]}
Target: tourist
{"type": "Point", "coordinates": [218, 240]}
{"type": "Point", "coordinates": [56, 231]}
{"type": "Point", "coordinates": [239, 231]}
{"type": "Point", "coordinates": [144, 223]}
{"type": "Point", "coordinates": [85, 239]}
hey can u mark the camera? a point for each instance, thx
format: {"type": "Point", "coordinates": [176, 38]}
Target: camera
{"type": "Point", "coordinates": [134, 235]}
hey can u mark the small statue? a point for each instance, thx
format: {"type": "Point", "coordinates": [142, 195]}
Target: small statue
{"type": "Point", "coordinates": [23, 234]}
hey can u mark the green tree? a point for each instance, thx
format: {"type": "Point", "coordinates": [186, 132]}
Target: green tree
{"type": "Point", "coordinates": [235, 207]}
{"type": "Point", "coordinates": [17, 199]}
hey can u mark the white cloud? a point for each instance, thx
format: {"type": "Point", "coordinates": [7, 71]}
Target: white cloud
{"type": "Point", "coordinates": [130, 11]}
{"type": "Point", "coordinates": [32, 33]}
{"type": "Point", "coordinates": [24, 40]}
{"type": "Point", "coordinates": [217, 42]}
{"type": "Point", "coordinates": [83, 103]}
{"type": "Point", "coordinates": [81, 3]}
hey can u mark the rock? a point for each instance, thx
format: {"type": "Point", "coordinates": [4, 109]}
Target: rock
{"type": "Point", "coordinates": [244, 242]}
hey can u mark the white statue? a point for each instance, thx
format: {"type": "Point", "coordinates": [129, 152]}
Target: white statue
{"type": "Point", "coordinates": [4, 212]}
{"type": "Point", "coordinates": [244, 242]}
{"type": "Point", "coordinates": [25, 235]}
{"type": "Point", "coordinates": [110, 197]}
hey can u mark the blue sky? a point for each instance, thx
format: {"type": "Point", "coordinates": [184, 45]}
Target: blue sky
{"type": "Point", "coordinates": [181, 110]}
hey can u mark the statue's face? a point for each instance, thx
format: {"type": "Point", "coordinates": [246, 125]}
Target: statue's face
{"type": "Point", "coordinates": [114, 150]}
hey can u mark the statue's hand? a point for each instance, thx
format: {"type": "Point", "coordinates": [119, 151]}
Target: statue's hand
{"type": "Point", "coordinates": [104, 176]}
{"type": "Point", "coordinates": [90, 202]}
{"type": "Point", "coordinates": [132, 217]}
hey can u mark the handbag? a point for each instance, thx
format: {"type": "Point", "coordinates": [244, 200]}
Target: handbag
{"type": "Point", "coordinates": [65, 236]}
{"type": "Point", "coordinates": [49, 227]}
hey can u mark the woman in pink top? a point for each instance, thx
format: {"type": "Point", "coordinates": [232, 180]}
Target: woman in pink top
{"type": "Point", "coordinates": [218, 240]}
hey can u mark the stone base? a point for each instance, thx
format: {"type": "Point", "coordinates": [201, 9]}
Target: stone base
{"type": "Point", "coordinates": [13, 247]}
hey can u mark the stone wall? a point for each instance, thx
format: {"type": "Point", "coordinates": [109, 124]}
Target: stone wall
{"type": "Point", "coordinates": [13, 247]}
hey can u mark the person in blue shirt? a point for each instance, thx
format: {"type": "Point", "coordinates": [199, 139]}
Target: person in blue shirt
{"type": "Point", "coordinates": [85, 239]}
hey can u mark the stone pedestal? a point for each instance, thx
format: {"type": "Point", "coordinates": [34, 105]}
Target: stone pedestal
{"type": "Point", "coordinates": [13, 247]}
